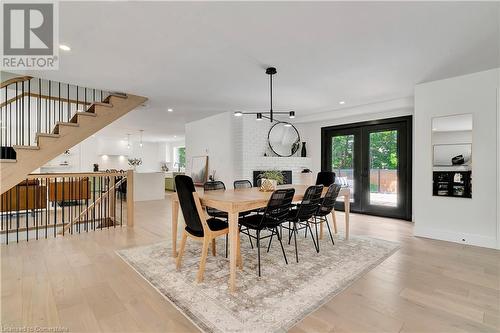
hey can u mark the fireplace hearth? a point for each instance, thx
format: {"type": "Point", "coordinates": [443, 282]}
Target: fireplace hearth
{"type": "Point", "coordinates": [287, 176]}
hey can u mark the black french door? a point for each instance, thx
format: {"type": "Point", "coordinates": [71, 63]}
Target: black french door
{"type": "Point", "coordinates": [374, 160]}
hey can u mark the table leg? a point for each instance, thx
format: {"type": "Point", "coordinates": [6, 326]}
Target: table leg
{"type": "Point", "coordinates": [233, 250]}
{"type": "Point", "coordinates": [347, 210]}
{"type": "Point", "coordinates": [175, 220]}
{"type": "Point", "coordinates": [334, 221]}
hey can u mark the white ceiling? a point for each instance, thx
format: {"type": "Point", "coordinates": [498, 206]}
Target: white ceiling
{"type": "Point", "coordinates": [203, 58]}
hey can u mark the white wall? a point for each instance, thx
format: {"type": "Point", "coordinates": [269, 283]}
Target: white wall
{"type": "Point", "coordinates": [212, 136]}
{"type": "Point", "coordinates": [470, 221]}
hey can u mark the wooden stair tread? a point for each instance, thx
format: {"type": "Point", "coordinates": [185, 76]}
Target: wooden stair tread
{"type": "Point", "coordinates": [74, 119]}
{"type": "Point", "coordinates": [62, 123]}
{"type": "Point", "coordinates": [119, 95]}
{"type": "Point", "coordinates": [26, 147]}
{"type": "Point", "coordinates": [109, 105]}
{"type": "Point", "coordinates": [7, 161]}
{"type": "Point", "coordinates": [47, 135]}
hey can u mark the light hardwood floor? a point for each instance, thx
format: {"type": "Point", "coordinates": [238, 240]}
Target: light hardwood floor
{"type": "Point", "coordinates": [80, 283]}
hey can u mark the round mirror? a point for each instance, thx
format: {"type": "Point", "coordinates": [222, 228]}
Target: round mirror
{"type": "Point", "coordinates": [283, 139]}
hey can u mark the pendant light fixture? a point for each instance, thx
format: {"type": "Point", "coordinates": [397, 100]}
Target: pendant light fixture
{"type": "Point", "coordinates": [271, 113]}
{"type": "Point", "coordinates": [140, 144]}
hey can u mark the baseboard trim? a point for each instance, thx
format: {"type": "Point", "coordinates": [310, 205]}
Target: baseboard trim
{"type": "Point", "coordinates": [461, 238]}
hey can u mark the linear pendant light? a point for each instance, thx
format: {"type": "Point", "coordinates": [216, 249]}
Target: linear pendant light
{"type": "Point", "coordinates": [271, 113]}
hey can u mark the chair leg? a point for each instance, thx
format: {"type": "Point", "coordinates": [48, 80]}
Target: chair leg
{"type": "Point", "coordinates": [214, 247]}
{"type": "Point", "coordinates": [258, 250]}
{"type": "Point", "coordinates": [270, 240]}
{"type": "Point", "coordinates": [329, 231]}
{"type": "Point", "coordinates": [314, 241]}
{"type": "Point", "coordinates": [289, 233]}
{"type": "Point", "coordinates": [281, 244]}
{"type": "Point", "coordinates": [204, 255]}
{"type": "Point", "coordinates": [181, 249]}
{"type": "Point", "coordinates": [294, 232]}
{"type": "Point", "coordinates": [317, 237]}
{"type": "Point", "coordinates": [249, 238]}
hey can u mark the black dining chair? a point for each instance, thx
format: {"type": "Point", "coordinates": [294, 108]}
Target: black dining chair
{"type": "Point", "coordinates": [198, 225]}
{"type": "Point", "coordinates": [325, 208]}
{"type": "Point", "coordinates": [300, 216]}
{"type": "Point", "coordinates": [276, 213]}
{"type": "Point", "coordinates": [216, 185]}
{"type": "Point", "coordinates": [243, 183]}
{"type": "Point", "coordinates": [325, 178]}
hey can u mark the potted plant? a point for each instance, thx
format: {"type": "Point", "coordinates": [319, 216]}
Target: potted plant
{"type": "Point", "coordinates": [270, 180]}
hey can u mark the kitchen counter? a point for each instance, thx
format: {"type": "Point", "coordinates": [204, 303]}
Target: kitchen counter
{"type": "Point", "coordinates": [149, 186]}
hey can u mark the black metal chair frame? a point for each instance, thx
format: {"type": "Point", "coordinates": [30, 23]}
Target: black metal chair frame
{"type": "Point", "coordinates": [277, 218]}
{"type": "Point", "coordinates": [324, 209]}
{"type": "Point", "coordinates": [237, 183]}
{"type": "Point", "coordinates": [305, 213]}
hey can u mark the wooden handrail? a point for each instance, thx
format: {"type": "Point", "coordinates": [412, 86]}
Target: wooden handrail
{"type": "Point", "coordinates": [77, 174]}
{"type": "Point", "coordinates": [14, 80]}
{"type": "Point", "coordinates": [52, 98]}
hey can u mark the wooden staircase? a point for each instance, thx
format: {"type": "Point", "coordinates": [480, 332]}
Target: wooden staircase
{"type": "Point", "coordinates": [65, 135]}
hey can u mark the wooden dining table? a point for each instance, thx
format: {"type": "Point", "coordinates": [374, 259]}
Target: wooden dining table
{"type": "Point", "coordinates": [242, 200]}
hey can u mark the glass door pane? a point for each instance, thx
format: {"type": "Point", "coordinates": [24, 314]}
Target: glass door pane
{"type": "Point", "coordinates": [342, 162]}
{"type": "Point", "coordinates": [383, 168]}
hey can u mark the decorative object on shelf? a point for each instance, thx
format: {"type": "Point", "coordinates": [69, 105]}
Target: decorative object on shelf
{"type": "Point", "coordinates": [164, 167]}
{"type": "Point", "coordinates": [199, 170]}
{"type": "Point", "coordinates": [96, 167]}
{"type": "Point", "coordinates": [271, 113]}
{"type": "Point", "coordinates": [458, 160]}
{"type": "Point", "coordinates": [270, 180]}
{"type": "Point", "coordinates": [283, 139]}
{"type": "Point", "coordinates": [134, 162]}
{"type": "Point", "coordinates": [303, 152]}
{"type": "Point", "coordinates": [211, 177]}
{"type": "Point", "coordinates": [306, 170]}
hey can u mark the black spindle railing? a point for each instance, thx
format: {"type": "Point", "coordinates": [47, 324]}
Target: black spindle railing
{"type": "Point", "coordinates": [32, 105]}
{"type": "Point", "coordinates": [56, 205]}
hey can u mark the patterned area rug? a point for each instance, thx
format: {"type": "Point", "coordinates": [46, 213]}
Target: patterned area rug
{"type": "Point", "coordinates": [284, 295]}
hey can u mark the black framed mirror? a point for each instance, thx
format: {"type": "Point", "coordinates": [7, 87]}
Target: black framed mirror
{"type": "Point", "coordinates": [283, 139]}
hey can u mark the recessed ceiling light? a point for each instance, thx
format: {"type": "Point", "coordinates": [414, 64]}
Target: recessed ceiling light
{"type": "Point", "coordinates": [64, 47]}
{"type": "Point", "coordinates": [238, 114]}
{"type": "Point", "coordinates": [288, 125]}
{"type": "Point", "coordinates": [170, 110]}
{"type": "Point", "coordinates": [175, 136]}
{"type": "Point", "coordinates": [342, 102]}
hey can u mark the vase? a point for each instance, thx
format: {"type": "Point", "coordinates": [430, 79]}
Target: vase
{"type": "Point", "coordinates": [303, 152]}
{"type": "Point", "coordinates": [268, 185]}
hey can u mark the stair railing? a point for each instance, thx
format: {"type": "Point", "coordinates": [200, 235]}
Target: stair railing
{"type": "Point", "coordinates": [31, 105]}
{"type": "Point", "coordinates": [59, 204]}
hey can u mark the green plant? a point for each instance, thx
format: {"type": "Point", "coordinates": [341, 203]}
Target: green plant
{"type": "Point", "coordinates": [273, 175]}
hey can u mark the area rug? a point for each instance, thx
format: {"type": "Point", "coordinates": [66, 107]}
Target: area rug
{"type": "Point", "coordinates": [284, 295]}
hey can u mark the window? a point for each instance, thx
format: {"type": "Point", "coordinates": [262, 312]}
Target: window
{"type": "Point", "coordinates": [180, 157]}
